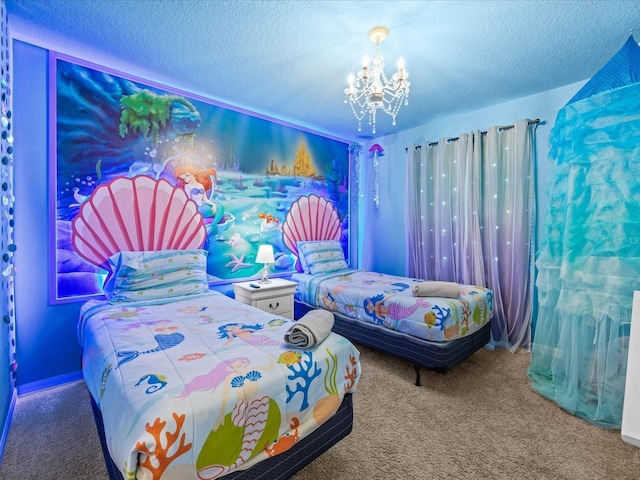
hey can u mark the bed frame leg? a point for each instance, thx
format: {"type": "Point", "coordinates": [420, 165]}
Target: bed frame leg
{"type": "Point", "coordinates": [417, 369]}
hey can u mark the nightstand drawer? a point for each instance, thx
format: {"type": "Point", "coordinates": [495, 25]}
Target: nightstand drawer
{"type": "Point", "coordinates": [275, 304]}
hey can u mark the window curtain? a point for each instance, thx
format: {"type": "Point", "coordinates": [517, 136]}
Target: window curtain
{"type": "Point", "coordinates": [470, 214]}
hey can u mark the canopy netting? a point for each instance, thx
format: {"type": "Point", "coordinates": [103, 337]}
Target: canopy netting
{"type": "Point", "coordinates": [589, 259]}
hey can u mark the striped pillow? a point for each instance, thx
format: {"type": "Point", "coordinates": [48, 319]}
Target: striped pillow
{"type": "Point", "coordinates": [141, 276]}
{"type": "Point", "coordinates": [322, 256]}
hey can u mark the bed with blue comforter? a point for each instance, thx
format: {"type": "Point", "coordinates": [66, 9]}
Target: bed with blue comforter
{"type": "Point", "coordinates": [201, 385]}
{"type": "Point", "coordinates": [187, 383]}
{"type": "Point", "coordinates": [380, 311]}
{"type": "Point", "coordinates": [387, 300]}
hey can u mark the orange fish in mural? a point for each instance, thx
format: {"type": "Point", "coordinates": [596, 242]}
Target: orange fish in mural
{"type": "Point", "coordinates": [268, 217]}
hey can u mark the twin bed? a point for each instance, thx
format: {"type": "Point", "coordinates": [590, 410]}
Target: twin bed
{"type": "Point", "coordinates": [380, 311]}
{"type": "Point", "coordinates": [186, 382]}
{"type": "Point", "coordinates": [377, 310]}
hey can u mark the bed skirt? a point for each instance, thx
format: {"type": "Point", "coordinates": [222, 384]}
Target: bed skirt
{"type": "Point", "coordinates": [280, 467]}
{"type": "Point", "coordinates": [439, 356]}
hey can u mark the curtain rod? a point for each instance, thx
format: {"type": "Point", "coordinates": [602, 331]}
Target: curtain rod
{"type": "Point", "coordinates": [507, 127]}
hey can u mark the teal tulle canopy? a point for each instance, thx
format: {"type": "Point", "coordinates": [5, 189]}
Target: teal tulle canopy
{"type": "Point", "coordinates": [589, 259]}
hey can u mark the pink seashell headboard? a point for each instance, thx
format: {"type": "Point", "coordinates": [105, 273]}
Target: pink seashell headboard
{"type": "Point", "coordinates": [310, 218]}
{"type": "Point", "coordinates": [136, 214]}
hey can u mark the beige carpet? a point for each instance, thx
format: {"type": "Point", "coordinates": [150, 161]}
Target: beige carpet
{"type": "Point", "coordinates": [481, 420]}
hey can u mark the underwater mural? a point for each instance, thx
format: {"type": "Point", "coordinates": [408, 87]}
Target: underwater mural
{"type": "Point", "coordinates": [244, 172]}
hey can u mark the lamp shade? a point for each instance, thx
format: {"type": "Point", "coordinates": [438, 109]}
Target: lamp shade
{"type": "Point", "coordinates": [265, 254]}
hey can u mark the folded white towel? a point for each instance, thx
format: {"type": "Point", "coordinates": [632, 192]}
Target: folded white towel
{"type": "Point", "coordinates": [436, 289]}
{"type": "Point", "coordinates": [310, 330]}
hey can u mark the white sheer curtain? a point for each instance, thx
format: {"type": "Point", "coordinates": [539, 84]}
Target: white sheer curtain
{"type": "Point", "coordinates": [470, 214]}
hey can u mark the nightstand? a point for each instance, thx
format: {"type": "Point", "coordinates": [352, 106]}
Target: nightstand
{"type": "Point", "coordinates": [275, 297]}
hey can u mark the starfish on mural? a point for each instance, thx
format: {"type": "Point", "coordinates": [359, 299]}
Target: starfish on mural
{"type": "Point", "coordinates": [237, 263]}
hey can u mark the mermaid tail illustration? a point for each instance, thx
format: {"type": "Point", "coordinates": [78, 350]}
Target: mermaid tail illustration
{"type": "Point", "coordinates": [398, 312]}
{"type": "Point", "coordinates": [255, 422]}
{"type": "Point", "coordinates": [164, 342]}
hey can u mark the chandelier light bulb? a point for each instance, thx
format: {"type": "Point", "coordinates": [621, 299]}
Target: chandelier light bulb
{"type": "Point", "coordinates": [371, 90]}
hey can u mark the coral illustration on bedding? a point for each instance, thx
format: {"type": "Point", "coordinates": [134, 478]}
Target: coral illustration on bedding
{"type": "Point", "coordinates": [160, 453]}
{"type": "Point", "coordinates": [305, 372]}
{"type": "Point", "coordinates": [327, 406]}
{"type": "Point", "coordinates": [243, 433]}
{"type": "Point", "coordinates": [352, 373]}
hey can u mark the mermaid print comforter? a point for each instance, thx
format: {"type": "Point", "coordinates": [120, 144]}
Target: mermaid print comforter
{"type": "Point", "coordinates": [196, 387]}
{"type": "Point", "coordinates": [387, 300]}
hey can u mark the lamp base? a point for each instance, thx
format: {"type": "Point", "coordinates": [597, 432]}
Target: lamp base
{"type": "Point", "coordinates": [265, 275]}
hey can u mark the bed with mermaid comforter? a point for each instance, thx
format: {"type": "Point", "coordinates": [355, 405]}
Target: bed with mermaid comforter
{"type": "Point", "coordinates": [199, 386]}
{"type": "Point", "coordinates": [388, 301]}
{"type": "Point", "coordinates": [187, 383]}
{"type": "Point", "coordinates": [379, 310]}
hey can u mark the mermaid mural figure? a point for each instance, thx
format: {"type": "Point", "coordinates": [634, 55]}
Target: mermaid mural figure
{"type": "Point", "coordinates": [196, 182]}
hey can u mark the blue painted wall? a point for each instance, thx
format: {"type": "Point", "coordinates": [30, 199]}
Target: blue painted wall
{"type": "Point", "coordinates": [46, 335]}
{"type": "Point", "coordinates": [7, 324]}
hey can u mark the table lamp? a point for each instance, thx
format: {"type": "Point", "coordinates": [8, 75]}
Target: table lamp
{"type": "Point", "coordinates": [265, 256]}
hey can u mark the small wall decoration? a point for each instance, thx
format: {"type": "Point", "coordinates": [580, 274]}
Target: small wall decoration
{"type": "Point", "coordinates": [243, 171]}
{"type": "Point", "coordinates": [376, 151]}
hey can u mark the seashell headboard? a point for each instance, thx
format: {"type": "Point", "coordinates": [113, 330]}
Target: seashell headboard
{"type": "Point", "coordinates": [136, 214]}
{"type": "Point", "coordinates": [310, 218]}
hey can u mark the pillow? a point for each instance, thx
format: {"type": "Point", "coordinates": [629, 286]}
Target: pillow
{"type": "Point", "coordinates": [303, 262]}
{"type": "Point", "coordinates": [139, 276]}
{"type": "Point", "coordinates": [321, 256]}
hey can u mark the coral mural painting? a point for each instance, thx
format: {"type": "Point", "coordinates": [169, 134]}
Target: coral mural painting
{"type": "Point", "coordinates": [243, 172]}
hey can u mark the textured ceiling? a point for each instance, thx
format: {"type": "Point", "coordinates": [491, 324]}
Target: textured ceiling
{"type": "Point", "coordinates": [290, 59]}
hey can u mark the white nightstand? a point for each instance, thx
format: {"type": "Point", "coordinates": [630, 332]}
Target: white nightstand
{"type": "Point", "coordinates": [275, 297]}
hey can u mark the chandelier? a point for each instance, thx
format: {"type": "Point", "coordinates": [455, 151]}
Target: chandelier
{"type": "Point", "coordinates": [371, 90]}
